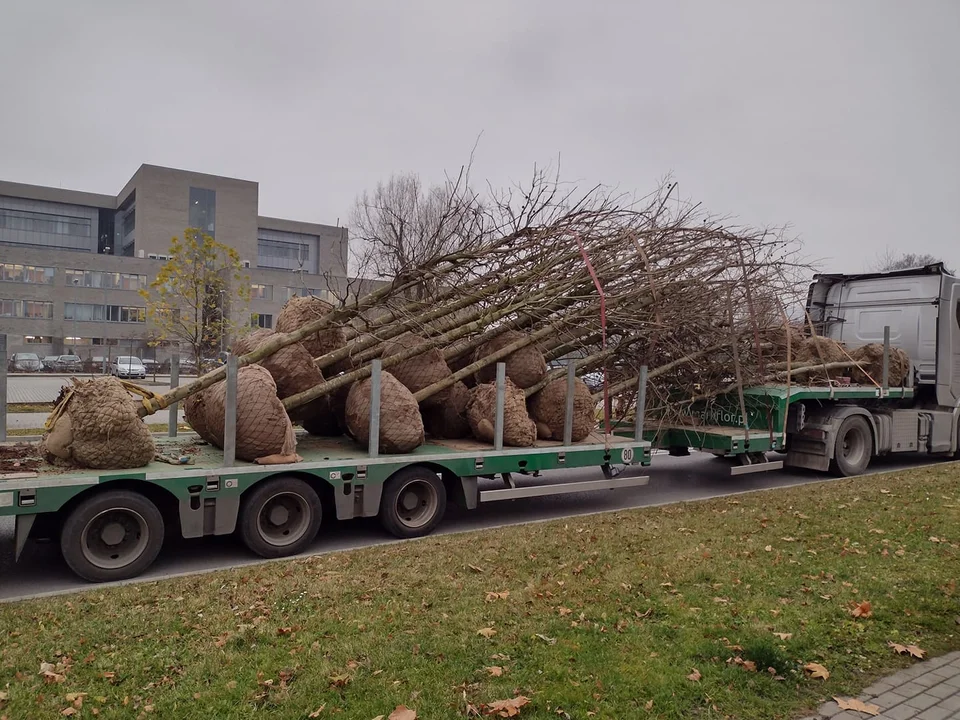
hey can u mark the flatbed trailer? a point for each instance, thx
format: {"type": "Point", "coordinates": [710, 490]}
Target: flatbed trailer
{"type": "Point", "coordinates": [111, 524]}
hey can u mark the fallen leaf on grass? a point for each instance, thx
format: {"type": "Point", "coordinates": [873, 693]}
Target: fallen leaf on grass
{"type": "Point", "coordinates": [506, 708]}
{"type": "Point", "coordinates": [316, 713]}
{"type": "Point", "coordinates": [491, 596]}
{"type": "Point", "coordinates": [769, 548]}
{"type": "Point", "coordinates": [547, 640]}
{"type": "Point", "coordinates": [912, 650]}
{"type": "Point", "coordinates": [862, 609]}
{"type": "Point", "coordinates": [403, 713]}
{"type": "Point", "coordinates": [487, 632]}
{"type": "Point", "coordinates": [495, 670]}
{"type": "Point", "coordinates": [695, 675]}
{"type": "Point", "coordinates": [858, 705]}
{"type": "Point", "coordinates": [475, 568]}
{"type": "Point", "coordinates": [50, 674]}
{"type": "Point", "coordinates": [784, 636]}
{"type": "Point", "coordinates": [649, 705]}
{"type": "Point", "coordinates": [67, 712]}
{"type": "Point", "coordinates": [817, 670]}
{"type": "Point", "coordinates": [4, 696]}
{"type": "Point", "coordinates": [564, 611]}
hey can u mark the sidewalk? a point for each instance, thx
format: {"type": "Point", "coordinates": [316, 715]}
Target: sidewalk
{"type": "Point", "coordinates": [926, 691]}
{"type": "Point", "coordinates": [20, 421]}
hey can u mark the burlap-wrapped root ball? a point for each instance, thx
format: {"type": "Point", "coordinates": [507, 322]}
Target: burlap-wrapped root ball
{"type": "Point", "coordinates": [870, 358]}
{"type": "Point", "coordinates": [298, 311]}
{"type": "Point", "coordinates": [548, 408]}
{"type": "Point", "coordinates": [449, 421]}
{"type": "Point", "coordinates": [819, 350]}
{"type": "Point", "coordinates": [100, 428]}
{"type": "Point", "coordinates": [293, 371]}
{"type": "Point", "coordinates": [525, 367]}
{"type": "Point", "coordinates": [263, 428]}
{"type": "Point", "coordinates": [518, 429]}
{"type": "Point", "coordinates": [419, 371]}
{"type": "Point", "coordinates": [401, 427]}
{"type": "Point", "coordinates": [195, 413]}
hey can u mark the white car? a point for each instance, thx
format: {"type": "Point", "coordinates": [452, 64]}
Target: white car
{"type": "Point", "coordinates": [127, 366]}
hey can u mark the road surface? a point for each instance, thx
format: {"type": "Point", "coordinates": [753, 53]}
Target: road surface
{"type": "Point", "coordinates": [41, 570]}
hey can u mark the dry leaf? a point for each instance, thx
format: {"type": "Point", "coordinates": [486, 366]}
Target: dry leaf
{"type": "Point", "coordinates": [862, 609]}
{"type": "Point", "coordinates": [491, 596]}
{"type": "Point", "coordinates": [911, 650]}
{"type": "Point", "coordinates": [506, 708]}
{"type": "Point", "coordinates": [495, 670]}
{"type": "Point", "coordinates": [487, 632]}
{"type": "Point", "coordinates": [649, 705]}
{"type": "Point", "coordinates": [695, 675]}
{"type": "Point", "coordinates": [564, 611]}
{"type": "Point", "coordinates": [769, 548]}
{"type": "Point", "coordinates": [749, 665]}
{"type": "Point", "coordinates": [68, 711]}
{"type": "Point", "coordinates": [403, 713]}
{"type": "Point", "coordinates": [380, 717]}
{"type": "Point", "coordinates": [316, 713]}
{"type": "Point", "coordinates": [4, 696]}
{"type": "Point", "coordinates": [858, 705]}
{"type": "Point", "coordinates": [784, 636]}
{"type": "Point", "coordinates": [547, 640]}
{"type": "Point", "coordinates": [817, 670]}
{"type": "Point", "coordinates": [475, 568]}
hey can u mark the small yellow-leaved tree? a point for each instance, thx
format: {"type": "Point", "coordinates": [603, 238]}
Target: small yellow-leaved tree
{"type": "Point", "coordinates": [200, 296]}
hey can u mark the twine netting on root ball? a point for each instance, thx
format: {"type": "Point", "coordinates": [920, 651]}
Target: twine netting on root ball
{"type": "Point", "coordinates": [449, 421]}
{"type": "Point", "coordinates": [518, 429]}
{"type": "Point", "coordinates": [99, 428]}
{"type": "Point", "coordinates": [548, 408]}
{"type": "Point", "coordinates": [291, 367]}
{"type": "Point", "coordinates": [401, 427]}
{"type": "Point", "coordinates": [195, 413]}
{"type": "Point", "coordinates": [421, 370]}
{"type": "Point", "coordinates": [263, 428]}
{"type": "Point", "coordinates": [870, 357]}
{"type": "Point", "coordinates": [298, 311]}
{"type": "Point", "coordinates": [525, 367]}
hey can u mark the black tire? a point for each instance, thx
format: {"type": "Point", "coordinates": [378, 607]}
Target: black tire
{"type": "Point", "coordinates": [413, 503]}
{"type": "Point", "coordinates": [280, 517]}
{"type": "Point", "coordinates": [853, 447]}
{"type": "Point", "coordinates": [114, 535]}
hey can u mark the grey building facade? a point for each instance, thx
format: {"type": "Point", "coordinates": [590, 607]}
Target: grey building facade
{"type": "Point", "coordinates": [72, 263]}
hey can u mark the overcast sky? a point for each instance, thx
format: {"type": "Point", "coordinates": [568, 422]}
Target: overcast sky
{"type": "Point", "coordinates": [841, 119]}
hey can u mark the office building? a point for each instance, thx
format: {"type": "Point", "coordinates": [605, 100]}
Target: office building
{"type": "Point", "coordinates": [71, 263]}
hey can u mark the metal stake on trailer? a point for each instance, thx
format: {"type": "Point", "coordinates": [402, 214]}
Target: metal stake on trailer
{"type": "Point", "coordinates": [501, 396]}
{"type": "Point", "coordinates": [174, 382]}
{"type": "Point", "coordinates": [641, 405]}
{"type": "Point", "coordinates": [230, 416]}
{"type": "Point", "coordinates": [886, 361]}
{"type": "Point", "coordinates": [373, 444]}
{"type": "Point", "coordinates": [3, 387]}
{"type": "Point", "coordinates": [568, 417]}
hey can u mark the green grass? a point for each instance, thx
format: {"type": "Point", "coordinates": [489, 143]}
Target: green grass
{"type": "Point", "coordinates": [30, 407]}
{"type": "Point", "coordinates": [30, 432]}
{"type": "Point", "coordinates": [604, 614]}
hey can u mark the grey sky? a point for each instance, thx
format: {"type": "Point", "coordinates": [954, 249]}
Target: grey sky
{"type": "Point", "coordinates": [840, 119]}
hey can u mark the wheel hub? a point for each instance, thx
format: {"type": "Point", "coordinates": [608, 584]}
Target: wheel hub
{"type": "Point", "coordinates": [113, 533]}
{"type": "Point", "coordinates": [279, 515]}
{"type": "Point", "coordinates": [283, 519]}
{"type": "Point", "coordinates": [114, 538]}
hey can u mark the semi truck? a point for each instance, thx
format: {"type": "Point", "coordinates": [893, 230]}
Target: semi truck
{"type": "Point", "coordinates": [111, 525]}
{"type": "Point", "coordinates": [841, 427]}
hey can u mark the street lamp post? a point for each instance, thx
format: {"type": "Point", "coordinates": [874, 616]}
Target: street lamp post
{"type": "Point", "coordinates": [106, 302]}
{"type": "Point", "coordinates": [222, 293]}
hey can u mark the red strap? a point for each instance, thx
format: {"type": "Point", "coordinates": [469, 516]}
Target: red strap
{"type": "Point", "coordinates": [603, 333]}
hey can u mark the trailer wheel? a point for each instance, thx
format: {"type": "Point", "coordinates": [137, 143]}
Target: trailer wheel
{"type": "Point", "coordinates": [112, 536]}
{"type": "Point", "coordinates": [413, 503]}
{"type": "Point", "coordinates": [280, 517]}
{"type": "Point", "coordinates": [853, 447]}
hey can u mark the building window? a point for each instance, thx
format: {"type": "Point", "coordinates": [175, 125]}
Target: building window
{"type": "Point", "coordinates": [281, 254]}
{"type": "Point", "coordinates": [106, 280]}
{"type": "Point", "coordinates": [37, 340]}
{"type": "Point", "coordinates": [87, 312]}
{"type": "Point", "coordinates": [26, 309]}
{"type": "Point", "coordinates": [261, 292]}
{"type": "Point", "coordinates": [26, 274]}
{"type": "Point", "coordinates": [37, 222]}
{"type": "Point", "coordinates": [310, 292]}
{"type": "Point", "coordinates": [203, 210]}
{"type": "Point", "coordinates": [261, 320]}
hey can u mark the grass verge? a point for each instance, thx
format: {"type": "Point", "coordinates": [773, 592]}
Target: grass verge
{"type": "Point", "coordinates": [608, 616]}
{"type": "Point", "coordinates": [30, 432]}
{"type": "Point", "coordinates": [30, 407]}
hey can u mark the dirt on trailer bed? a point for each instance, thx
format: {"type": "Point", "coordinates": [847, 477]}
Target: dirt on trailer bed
{"type": "Point", "coordinates": [22, 457]}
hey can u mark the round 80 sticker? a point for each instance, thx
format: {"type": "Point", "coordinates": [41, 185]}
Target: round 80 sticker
{"type": "Point", "coordinates": [627, 455]}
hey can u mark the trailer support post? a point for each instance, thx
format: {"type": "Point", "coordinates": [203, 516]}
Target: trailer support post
{"type": "Point", "coordinates": [230, 416]}
{"type": "Point", "coordinates": [373, 444]}
{"type": "Point", "coordinates": [501, 394]}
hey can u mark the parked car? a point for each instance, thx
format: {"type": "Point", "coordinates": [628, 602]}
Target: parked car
{"type": "Point", "coordinates": [68, 364]}
{"type": "Point", "coordinates": [25, 362]}
{"type": "Point", "coordinates": [151, 365]}
{"type": "Point", "coordinates": [50, 363]}
{"type": "Point", "coordinates": [128, 366]}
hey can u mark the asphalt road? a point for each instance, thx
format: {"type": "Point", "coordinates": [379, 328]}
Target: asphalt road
{"type": "Point", "coordinates": [42, 571]}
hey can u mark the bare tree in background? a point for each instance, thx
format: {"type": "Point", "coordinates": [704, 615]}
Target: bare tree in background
{"type": "Point", "coordinates": [401, 225]}
{"type": "Point", "coordinates": [890, 260]}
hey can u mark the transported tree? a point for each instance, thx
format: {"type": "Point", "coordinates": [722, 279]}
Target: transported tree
{"type": "Point", "coordinates": [200, 296]}
{"type": "Point", "coordinates": [890, 260]}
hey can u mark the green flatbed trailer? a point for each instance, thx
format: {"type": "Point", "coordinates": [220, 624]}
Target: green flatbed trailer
{"type": "Point", "coordinates": [111, 524]}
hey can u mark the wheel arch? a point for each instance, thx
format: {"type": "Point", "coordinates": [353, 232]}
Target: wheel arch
{"type": "Point", "coordinates": [451, 481]}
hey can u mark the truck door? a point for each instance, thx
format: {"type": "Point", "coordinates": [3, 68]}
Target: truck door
{"type": "Point", "coordinates": [948, 351]}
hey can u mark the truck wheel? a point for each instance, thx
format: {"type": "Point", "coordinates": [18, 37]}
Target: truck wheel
{"type": "Point", "coordinates": [280, 517]}
{"type": "Point", "coordinates": [413, 502]}
{"type": "Point", "coordinates": [112, 536]}
{"type": "Point", "coordinates": [853, 447]}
